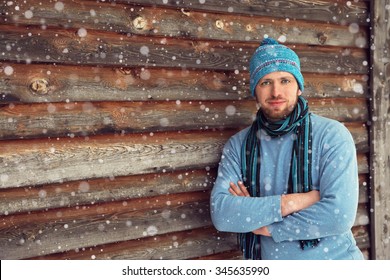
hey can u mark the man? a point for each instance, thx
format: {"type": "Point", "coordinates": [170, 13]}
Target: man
{"type": "Point", "coordinates": [288, 184]}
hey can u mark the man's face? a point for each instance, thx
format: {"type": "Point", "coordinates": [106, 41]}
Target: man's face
{"type": "Point", "coordinates": [277, 94]}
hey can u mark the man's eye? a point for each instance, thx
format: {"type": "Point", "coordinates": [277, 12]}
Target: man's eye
{"type": "Point", "coordinates": [265, 83]}
{"type": "Point", "coordinates": [285, 81]}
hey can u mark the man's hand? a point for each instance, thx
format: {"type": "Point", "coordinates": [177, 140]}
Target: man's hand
{"type": "Point", "coordinates": [241, 190]}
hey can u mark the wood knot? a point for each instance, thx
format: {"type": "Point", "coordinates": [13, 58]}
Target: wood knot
{"type": "Point", "coordinates": [219, 24]}
{"type": "Point", "coordinates": [185, 13]}
{"type": "Point", "coordinates": [139, 22]}
{"type": "Point", "coordinates": [249, 28]}
{"type": "Point", "coordinates": [40, 86]}
{"type": "Point", "coordinates": [322, 38]}
{"type": "Point", "coordinates": [126, 70]}
{"type": "Point", "coordinates": [201, 47]}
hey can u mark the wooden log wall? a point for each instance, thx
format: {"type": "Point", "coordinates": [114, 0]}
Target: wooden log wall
{"type": "Point", "coordinates": [114, 113]}
{"type": "Point", "coordinates": [380, 130]}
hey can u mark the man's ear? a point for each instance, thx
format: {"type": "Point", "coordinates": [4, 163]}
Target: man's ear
{"type": "Point", "coordinates": [299, 92]}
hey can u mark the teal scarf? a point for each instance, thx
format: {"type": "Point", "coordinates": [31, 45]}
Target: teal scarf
{"type": "Point", "coordinates": [300, 173]}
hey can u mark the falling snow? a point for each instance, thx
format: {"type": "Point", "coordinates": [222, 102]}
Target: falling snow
{"type": "Point", "coordinates": [76, 74]}
{"type": "Point", "coordinates": [82, 32]}
{"type": "Point", "coordinates": [59, 6]}
{"type": "Point", "coordinates": [8, 70]}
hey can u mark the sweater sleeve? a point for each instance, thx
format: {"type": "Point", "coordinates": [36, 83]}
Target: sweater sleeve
{"type": "Point", "coordinates": [239, 214]}
{"type": "Point", "coordinates": [335, 213]}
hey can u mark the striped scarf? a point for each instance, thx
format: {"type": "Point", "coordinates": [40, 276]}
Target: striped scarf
{"type": "Point", "coordinates": [300, 172]}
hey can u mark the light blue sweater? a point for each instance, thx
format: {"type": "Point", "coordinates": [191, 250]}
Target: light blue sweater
{"type": "Point", "coordinates": [334, 174]}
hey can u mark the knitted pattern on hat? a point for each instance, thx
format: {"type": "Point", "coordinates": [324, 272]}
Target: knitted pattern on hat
{"type": "Point", "coordinates": [270, 57]}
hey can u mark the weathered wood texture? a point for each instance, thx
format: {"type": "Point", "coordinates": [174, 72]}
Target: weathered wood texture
{"type": "Point", "coordinates": [59, 160]}
{"type": "Point", "coordinates": [42, 233]}
{"type": "Point", "coordinates": [27, 162]}
{"type": "Point", "coordinates": [183, 245]}
{"type": "Point", "coordinates": [340, 12]}
{"type": "Point", "coordinates": [110, 49]}
{"type": "Point", "coordinates": [380, 130]}
{"type": "Point", "coordinates": [92, 191]}
{"type": "Point", "coordinates": [58, 83]}
{"type": "Point", "coordinates": [113, 115]}
{"type": "Point", "coordinates": [188, 242]}
{"type": "Point", "coordinates": [158, 21]}
{"type": "Point", "coordinates": [86, 118]}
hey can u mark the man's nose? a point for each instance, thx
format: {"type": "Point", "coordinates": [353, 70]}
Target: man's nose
{"type": "Point", "coordinates": [275, 90]}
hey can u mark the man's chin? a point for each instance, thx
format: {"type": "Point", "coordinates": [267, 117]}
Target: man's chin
{"type": "Point", "coordinates": [276, 116]}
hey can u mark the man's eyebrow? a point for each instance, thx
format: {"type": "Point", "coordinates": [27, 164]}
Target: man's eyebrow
{"type": "Point", "coordinates": [286, 77]}
{"type": "Point", "coordinates": [279, 78]}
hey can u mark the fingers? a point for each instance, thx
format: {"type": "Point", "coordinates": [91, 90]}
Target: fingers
{"type": "Point", "coordinates": [243, 188]}
{"type": "Point", "coordinates": [239, 190]}
{"type": "Point", "coordinates": [234, 190]}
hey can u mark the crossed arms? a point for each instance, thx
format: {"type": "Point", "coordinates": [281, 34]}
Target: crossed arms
{"type": "Point", "coordinates": [290, 203]}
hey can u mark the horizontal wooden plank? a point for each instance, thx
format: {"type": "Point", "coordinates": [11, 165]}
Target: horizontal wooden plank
{"type": "Point", "coordinates": [94, 191]}
{"type": "Point", "coordinates": [202, 243]}
{"type": "Point", "coordinates": [359, 133]}
{"type": "Point", "coordinates": [86, 118]}
{"type": "Point", "coordinates": [34, 45]}
{"type": "Point", "coordinates": [363, 166]}
{"type": "Point", "coordinates": [362, 236]}
{"type": "Point", "coordinates": [90, 192]}
{"type": "Point", "coordinates": [59, 83]}
{"type": "Point", "coordinates": [38, 162]}
{"type": "Point", "coordinates": [72, 119]}
{"type": "Point", "coordinates": [364, 188]}
{"type": "Point", "coordinates": [58, 230]}
{"type": "Point", "coordinates": [136, 205]}
{"type": "Point", "coordinates": [342, 109]}
{"type": "Point", "coordinates": [362, 215]}
{"type": "Point", "coordinates": [126, 250]}
{"type": "Point", "coordinates": [227, 255]}
{"type": "Point", "coordinates": [233, 27]}
{"type": "Point", "coordinates": [340, 12]}
{"type": "Point", "coordinates": [328, 85]}
{"type": "Point", "coordinates": [25, 162]}
{"type": "Point", "coordinates": [42, 233]}
{"type": "Point", "coordinates": [160, 21]}
{"type": "Point", "coordinates": [178, 245]}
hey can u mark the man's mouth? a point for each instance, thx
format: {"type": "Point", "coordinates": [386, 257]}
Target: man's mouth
{"type": "Point", "coordinates": [276, 102]}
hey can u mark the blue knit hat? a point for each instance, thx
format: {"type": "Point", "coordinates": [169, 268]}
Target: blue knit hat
{"type": "Point", "coordinates": [270, 57]}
